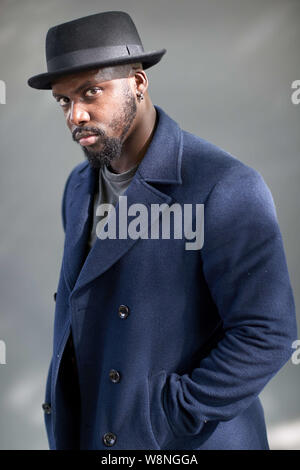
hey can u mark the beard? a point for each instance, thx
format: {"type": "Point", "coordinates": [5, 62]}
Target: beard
{"type": "Point", "coordinates": [111, 150]}
{"type": "Point", "coordinates": [111, 147]}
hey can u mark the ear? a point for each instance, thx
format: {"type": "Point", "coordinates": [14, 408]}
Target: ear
{"type": "Point", "coordinates": [141, 81]}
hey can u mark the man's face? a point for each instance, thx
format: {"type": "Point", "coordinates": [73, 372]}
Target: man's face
{"type": "Point", "coordinates": [100, 105]}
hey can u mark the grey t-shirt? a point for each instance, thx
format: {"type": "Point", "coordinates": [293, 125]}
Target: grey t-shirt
{"type": "Point", "coordinates": [111, 186]}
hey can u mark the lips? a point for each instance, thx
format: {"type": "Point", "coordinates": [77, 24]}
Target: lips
{"type": "Point", "coordinates": [87, 139]}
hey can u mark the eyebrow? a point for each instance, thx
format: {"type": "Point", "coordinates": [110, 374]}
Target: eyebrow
{"type": "Point", "coordinates": [84, 85]}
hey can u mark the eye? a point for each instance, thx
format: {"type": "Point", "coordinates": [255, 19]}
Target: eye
{"type": "Point", "coordinates": [93, 91]}
{"type": "Point", "coordinates": [60, 101]}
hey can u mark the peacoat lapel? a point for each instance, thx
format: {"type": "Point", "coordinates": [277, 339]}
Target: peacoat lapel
{"type": "Point", "coordinates": [79, 212]}
{"type": "Point", "coordinates": [161, 164]}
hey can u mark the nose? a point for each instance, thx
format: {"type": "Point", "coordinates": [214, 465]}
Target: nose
{"type": "Point", "coordinates": [78, 114]}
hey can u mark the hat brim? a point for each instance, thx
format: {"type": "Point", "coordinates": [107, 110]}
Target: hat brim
{"type": "Point", "coordinates": [43, 80]}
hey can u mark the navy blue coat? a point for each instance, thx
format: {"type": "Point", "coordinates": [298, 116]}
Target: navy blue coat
{"type": "Point", "coordinates": [202, 331]}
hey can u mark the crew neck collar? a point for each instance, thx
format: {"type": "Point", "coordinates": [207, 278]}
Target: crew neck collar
{"type": "Point", "coordinates": [119, 176]}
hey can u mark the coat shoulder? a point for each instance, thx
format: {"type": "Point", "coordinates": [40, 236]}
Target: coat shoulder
{"type": "Point", "coordinates": [206, 163]}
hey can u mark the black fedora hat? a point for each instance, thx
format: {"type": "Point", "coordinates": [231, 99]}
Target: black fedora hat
{"type": "Point", "coordinates": [99, 40]}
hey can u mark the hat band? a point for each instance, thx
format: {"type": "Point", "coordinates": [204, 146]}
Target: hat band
{"type": "Point", "coordinates": [92, 55]}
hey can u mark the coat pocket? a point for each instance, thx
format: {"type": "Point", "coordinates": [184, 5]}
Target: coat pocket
{"type": "Point", "coordinates": [160, 426]}
{"type": "Point", "coordinates": [167, 436]}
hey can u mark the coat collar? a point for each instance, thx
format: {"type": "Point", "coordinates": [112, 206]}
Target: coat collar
{"type": "Point", "coordinates": [160, 164]}
{"type": "Point", "coordinates": [162, 160]}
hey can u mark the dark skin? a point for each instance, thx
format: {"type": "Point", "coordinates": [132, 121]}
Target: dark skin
{"type": "Point", "coordinates": [103, 104]}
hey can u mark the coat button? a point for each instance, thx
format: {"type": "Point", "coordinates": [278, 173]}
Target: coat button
{"type": "Point", "coordinates": [47, 408]}
{"type": "Point", "coordinates": [123, 311]}
{"type": "Point", "coordinates": [114, 376]}
{"type": "Point", "coordinates": [54, 296]}
{"type": "Point", "coordinates": [109, 439]}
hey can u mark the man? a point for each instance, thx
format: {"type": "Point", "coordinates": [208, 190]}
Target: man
{"type": "Point", "coordinates": [156, 346]}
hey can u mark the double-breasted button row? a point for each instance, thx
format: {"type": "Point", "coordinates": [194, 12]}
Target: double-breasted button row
{"type": "Point", "coordinates": [114, 376]}
{"type": "Point", "coordinates": [109, 439]}
{"type": "Point", "coordinates": [123, 311]}
{"type": "Point", "coordinates": [47, 408]}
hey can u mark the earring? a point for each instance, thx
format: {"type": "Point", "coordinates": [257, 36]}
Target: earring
{"type": "Point", "coordinates": [140, 95]}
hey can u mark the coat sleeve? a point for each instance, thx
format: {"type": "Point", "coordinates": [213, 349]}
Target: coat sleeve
{"type": "Point", "coordinates": [244, 265]}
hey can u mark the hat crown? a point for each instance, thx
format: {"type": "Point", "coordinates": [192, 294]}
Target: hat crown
{"type": "Point", "coordinates": [101, 40]}
{"type": "Point", "coordinates": [110, 28]}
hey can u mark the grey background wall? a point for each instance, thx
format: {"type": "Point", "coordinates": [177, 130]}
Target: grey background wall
{"type": "Point", "coordinates": [226, 77]}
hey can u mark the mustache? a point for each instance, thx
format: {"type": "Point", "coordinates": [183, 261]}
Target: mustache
{"type": "Point", "coordinates": [78, 133]}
